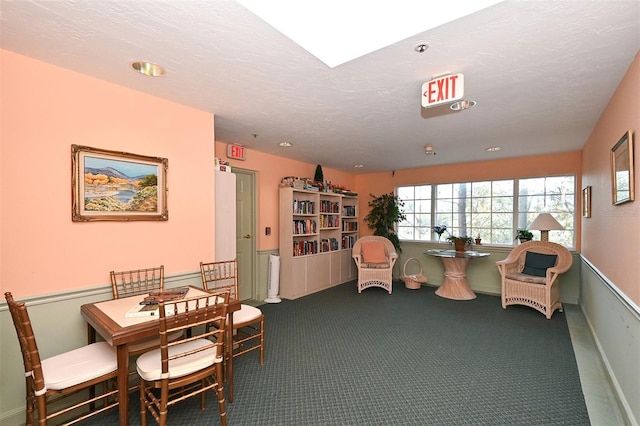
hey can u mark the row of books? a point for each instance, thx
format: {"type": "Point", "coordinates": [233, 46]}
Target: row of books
{"type": "Point", "coordinates": [349, 211]}
{"type": "Point", "coordinates": [329, 244]}
{"type": "Point", "coordinates": [302, 248]}
{"type": "Point", "coordinates": [304, 207]}
{"type": "Point", "coordinates": [349, 226]}
{"type": "Point", "coordinates": [348, 241]}
{"type": "Point", "coordinates": [329, 221]}
{"type": "Point", "coordinates": [327, 206]}
{"type": "Point", "coordinates": [304, 226]}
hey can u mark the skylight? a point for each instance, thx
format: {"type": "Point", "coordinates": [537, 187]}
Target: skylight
{"type": "Point", "coordinates": [338, 31]}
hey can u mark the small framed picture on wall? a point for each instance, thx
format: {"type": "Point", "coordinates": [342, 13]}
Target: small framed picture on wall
{"type": "Point", "coordinates": [586, 201]}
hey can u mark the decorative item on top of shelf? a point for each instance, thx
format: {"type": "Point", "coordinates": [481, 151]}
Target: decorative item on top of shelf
{"type": "Point", "coordinates": [439, 230]}
{"type": "Point", "coordinates": [524, 235]}
{"type": "Point", "coordinates": [460, 243]}
{"type": "Point", "coordinates": [386, 211]}
{"type": "Point", "coordinates": [318, 177]}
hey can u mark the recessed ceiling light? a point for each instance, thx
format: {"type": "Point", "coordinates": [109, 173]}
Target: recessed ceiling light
{"type": "Point", "coordinates": [148, 68]}
{"type": "Point", "coordinates": [358, 166]}
{"type": "Point", "coordinates": [421, 48]}
{"type": "Point", "coordinates": [493, 148]}
{"type": "Point", "coordinates": [462, 105]}
{"type": "Point", "coordinates": [285, 144]}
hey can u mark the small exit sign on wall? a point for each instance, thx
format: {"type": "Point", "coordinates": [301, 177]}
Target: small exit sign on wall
{"type": "Point", "coordinates": [236, 152]}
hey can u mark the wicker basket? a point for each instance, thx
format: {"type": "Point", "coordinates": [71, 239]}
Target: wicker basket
{"type": "Point", "coordinates": [414, 281]}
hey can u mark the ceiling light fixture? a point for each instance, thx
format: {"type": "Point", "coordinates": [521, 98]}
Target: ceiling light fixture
{"type": "Point", "coordinates": [358, 166]}
{"type": "Point", "coordinates": [428, 150]}
{"type": "Point", "coordinates": [148, 68]}
{"type": "Point", "coordinates": [462, 105]}
{"type": "Point", "coordinates": [285, 144]}
{"type": "Point", "coordinates": [493, 148]}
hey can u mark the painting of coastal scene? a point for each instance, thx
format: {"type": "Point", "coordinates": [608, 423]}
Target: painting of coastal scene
{"type": "Point", "coordinates": [111, 186]}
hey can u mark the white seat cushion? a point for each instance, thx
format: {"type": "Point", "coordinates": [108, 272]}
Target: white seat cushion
{"type": "Point", "coordinates": [79, 365]}
{"type": "Point", "coordinates": [154, 342]}
{"type": "Point", "coordinates": [149, 364]}
{"type": "Point", "coordinates": [246, 313]}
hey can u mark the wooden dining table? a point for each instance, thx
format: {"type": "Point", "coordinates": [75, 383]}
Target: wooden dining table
{"type": "Point", "coordinates": [109, 320]}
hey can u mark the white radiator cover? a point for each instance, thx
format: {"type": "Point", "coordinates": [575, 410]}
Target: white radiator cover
{"type": "Point", "coordinates": [273, 279]}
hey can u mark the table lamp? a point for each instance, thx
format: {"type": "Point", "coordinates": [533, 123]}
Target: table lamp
{"type": "Point", "coordinates": [544, 223]}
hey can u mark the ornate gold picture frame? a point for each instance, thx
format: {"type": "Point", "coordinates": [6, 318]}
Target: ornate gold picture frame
{"type": "Point", "coordinates": [622, 176]}
{"type": "Point", "coordinates": [117, 186]}
{"type": "Point", "coordinates": [586, 201]}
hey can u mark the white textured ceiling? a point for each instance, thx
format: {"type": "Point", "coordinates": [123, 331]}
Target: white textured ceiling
{"type": "Point", "coordinates": [541, 71]}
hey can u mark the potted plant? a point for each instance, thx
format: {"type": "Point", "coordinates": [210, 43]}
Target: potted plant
{"type": "Point", "coordinates": [478, 239]}
{"type": "Point", "coordinates": [524, 235]}
{"type": "Point", "coordinates": [461, 242]}
{"type": "Point", "coordinates": [386, 211]}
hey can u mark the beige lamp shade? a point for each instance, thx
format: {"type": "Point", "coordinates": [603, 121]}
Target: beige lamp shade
{"type": "Point", "coordinates": [545, 223]}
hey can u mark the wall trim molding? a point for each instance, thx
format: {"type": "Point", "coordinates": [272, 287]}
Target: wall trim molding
{"type": "Point", "coordinates": [624, 299]}
{"type": "Point", "coordinates": [103, 290]}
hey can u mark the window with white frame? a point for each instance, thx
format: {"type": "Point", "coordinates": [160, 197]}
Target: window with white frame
{"type": "Point", "coordinates": [491, 210]}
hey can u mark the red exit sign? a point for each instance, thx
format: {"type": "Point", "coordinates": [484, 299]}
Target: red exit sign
{"type": "Point", "coordinates": [237, 152]}
{"type": "Point", "coordinates": [442, 90]}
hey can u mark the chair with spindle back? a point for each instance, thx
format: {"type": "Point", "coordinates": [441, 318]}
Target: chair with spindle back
{"type": "Point", "coordinates": [53, 379]}
{"type": "Point", "coordinates": [192, 366]}
{"type": "Point", "coordinates": [248, 322]}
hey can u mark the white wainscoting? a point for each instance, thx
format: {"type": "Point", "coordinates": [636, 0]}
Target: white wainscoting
{"type": "Point", "coordinates": [614, 322]}
{"type": "Point", "coordinates": [58, 327]}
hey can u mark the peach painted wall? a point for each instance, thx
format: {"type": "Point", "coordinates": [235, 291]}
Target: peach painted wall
{"type": "Point", "coordinates": [522, 167]}
{"type": "Point", "coordinates": [270, 170]}
{"type": "Point", "coordinates": [45, 109]}
{"type": "Point", "coordinates": [611, 236]}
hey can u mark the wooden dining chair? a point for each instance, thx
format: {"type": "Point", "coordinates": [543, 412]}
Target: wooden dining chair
{"type": "Point", "coordinates": [137, 282]}
{"type": "Point", "coordinates": [50, 380]}
{"type": "Point", "coordinates": [248, 322]}
{"type": "Point", "coordinates": [186, 368]}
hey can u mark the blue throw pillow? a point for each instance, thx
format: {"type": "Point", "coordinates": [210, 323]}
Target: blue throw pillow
{"type": "Point", "coordinates": [538, 263]}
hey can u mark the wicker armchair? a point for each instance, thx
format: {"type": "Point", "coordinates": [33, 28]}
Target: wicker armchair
{"type": "Point", "coordinates": [530, 276]}
{"type": "Point", "coordinates": [374, 257]}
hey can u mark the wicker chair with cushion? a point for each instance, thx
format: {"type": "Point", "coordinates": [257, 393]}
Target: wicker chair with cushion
{"type": "Point", "coordinates": [530, 275]}
{"type": "Point", "coordinates": [374, 257]}
{"type": "Point", "coordinates": [75, 372]}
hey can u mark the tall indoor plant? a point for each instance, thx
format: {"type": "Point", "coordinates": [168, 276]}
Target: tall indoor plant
{"type": "Point", "coordinates": [386, 211]}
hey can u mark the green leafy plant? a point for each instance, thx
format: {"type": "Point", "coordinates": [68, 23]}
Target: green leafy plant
{"type": "Point", "coordinates": [386, 211]}
{"type": "Point", "coordinates": [524, 235]}
{"type": "Point", "coordinates": [453, 239]}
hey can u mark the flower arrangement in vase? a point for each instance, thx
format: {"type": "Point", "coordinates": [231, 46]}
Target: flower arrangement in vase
{"type": "Point", "coordinates": [439, 230]}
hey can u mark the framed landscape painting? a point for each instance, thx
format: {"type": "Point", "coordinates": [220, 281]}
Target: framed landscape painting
{"type": "Point", "coordinates": [117, 186]}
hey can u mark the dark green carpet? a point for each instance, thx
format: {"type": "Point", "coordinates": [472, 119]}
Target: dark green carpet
{"type": "Point", "coordinates": [409, 358]}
